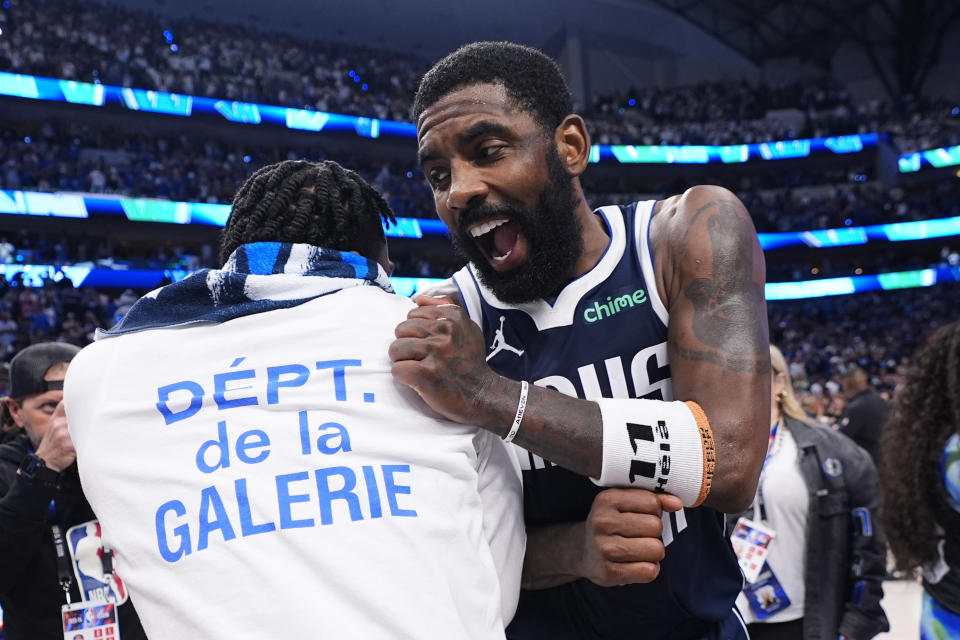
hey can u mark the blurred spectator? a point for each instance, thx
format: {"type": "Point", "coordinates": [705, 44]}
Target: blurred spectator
{"type": "Point", "coordinates": [864, 412]}
{"type": "Point", "coordinates": [7, 251]}
{"type": "Point", "coordinates": [920, 478]}
{"type": "Point", "coordinates": [822, 577]}
{"type": "Point", "coordinates": [40, 500]}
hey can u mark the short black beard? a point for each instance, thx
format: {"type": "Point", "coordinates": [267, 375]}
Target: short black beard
{"type": "Point", "coordinates": [554, 237]}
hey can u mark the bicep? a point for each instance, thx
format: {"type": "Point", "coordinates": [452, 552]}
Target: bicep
{"type": "Point", "coordinates": [717, 335]}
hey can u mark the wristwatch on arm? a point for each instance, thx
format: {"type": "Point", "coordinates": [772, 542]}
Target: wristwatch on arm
{"type": "Point", "coordinates": [34, 469]}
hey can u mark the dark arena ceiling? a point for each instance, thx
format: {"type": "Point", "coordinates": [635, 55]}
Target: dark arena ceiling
{"type": "Point", "coordinates": [904, 38]}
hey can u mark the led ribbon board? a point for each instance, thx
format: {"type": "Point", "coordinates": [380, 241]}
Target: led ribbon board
{"type": "Point", "coordinates": [731, 154]}
{"type": "Point", "coordinates": [849, 236]}
{"type": "Point", "coordinates": [936, 158]}
{"type": "Point", "coordinates": [84, 205]}
{"type": "Point", "coordinates": [145, 279]}
{"type": "Point", "coordinates": [98, 95]}
{"type": "Point", "coordinates": [858, 284]}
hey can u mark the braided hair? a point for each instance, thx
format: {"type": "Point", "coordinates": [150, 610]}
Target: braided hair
{"type": "Point", "coordinates": [926, 413]}
{"type": "Point", "coordinates": [317, 203]}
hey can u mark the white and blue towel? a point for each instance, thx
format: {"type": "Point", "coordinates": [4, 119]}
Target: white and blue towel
{"type": "Point", "coordinates": [258, 277]}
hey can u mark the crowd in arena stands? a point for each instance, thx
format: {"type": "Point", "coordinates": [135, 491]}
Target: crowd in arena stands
{"type": "Point", "coordinates": [124, 47]}
{"type": "Point", "coordinates": [56, 311]}
{"type": "Point", "coordinates": [829, 205]}
{"type": "Point", "coordinates": [737, 113]}
{"type": "Point", "coordinates": [820, 337]}
{"type": "Point", "coordinates": [877, 331]}
{"type": "Point", "coordinates": [47, 157]}
{"type": "Point", "coordinates": [713, 113]}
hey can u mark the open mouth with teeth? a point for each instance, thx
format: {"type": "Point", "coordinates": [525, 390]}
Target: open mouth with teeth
{"type": "Point", "coordinates": [501, 242]}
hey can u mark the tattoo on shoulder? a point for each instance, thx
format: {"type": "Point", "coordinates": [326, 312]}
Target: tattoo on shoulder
{"type": "Point", "coordinates": [729, 305]}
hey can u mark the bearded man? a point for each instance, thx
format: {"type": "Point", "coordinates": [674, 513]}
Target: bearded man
{"type": "Point", "coordinates": [638, 355]}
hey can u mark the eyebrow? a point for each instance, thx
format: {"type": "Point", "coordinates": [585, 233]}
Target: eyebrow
{"type": "Point", "coordinates": [475, 131]}
{"type": "Point", "coordinates": [426, 156]}
{"type": "Point", "coordinates": [482, 128]}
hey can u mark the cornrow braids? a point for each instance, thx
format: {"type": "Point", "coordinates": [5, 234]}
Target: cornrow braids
{"type": "Point", "coordinates": [317, 203]}
{"type": "Point", "coordinates": [926, 412]}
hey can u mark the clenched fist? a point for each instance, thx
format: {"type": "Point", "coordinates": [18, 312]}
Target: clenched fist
{"type": "Point", "coordinates": [440, 353]}
{"type": "Point", "coordinates": [621, 538]}
{"type": "Point", "coordinates": [55, 447]}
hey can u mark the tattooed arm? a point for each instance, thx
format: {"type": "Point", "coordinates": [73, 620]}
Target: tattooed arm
{"type": "Point", "coordinates": [710, 272]}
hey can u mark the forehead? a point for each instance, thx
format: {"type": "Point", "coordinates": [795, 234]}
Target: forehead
{"type": "Point", "coordinates": [56, 372]}
{"type": "Point", "coordinates": [459, 109]}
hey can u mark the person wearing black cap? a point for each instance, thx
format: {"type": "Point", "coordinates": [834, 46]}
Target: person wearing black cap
{"type": "Point", "coordinates": [865, 412]}
{"type": "Point", "coordinates": [39, 491]}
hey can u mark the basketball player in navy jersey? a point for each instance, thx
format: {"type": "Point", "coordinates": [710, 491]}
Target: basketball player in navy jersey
{"type": "Point", "coordinates": [641, 331]}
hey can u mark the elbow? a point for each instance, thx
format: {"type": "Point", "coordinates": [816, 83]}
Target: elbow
{"type": "Point", "coordinates": [735, 493]}
{"type": "Point", "coordinates": [732, 501]}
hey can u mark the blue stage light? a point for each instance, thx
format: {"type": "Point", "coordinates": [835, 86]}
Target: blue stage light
{"type": "Point", "coordinates": [174, 48]}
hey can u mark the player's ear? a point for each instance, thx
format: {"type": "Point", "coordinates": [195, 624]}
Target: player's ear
{"type": "Point", "coordinates": [573, 144]}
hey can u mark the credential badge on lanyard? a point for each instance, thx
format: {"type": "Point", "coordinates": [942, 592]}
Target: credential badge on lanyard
{"type": "Point", "coordinates": [750, 541]}
{"type": "Point", "coordinates": [82, 620]}
{"type": "Point", "coordinates": [90, 621]}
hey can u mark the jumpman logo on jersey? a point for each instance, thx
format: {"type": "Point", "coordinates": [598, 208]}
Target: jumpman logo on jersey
{"type": "Point", "coordinates": [499, 344]}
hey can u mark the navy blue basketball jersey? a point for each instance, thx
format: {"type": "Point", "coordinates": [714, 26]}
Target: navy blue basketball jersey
{"type": "Point", "coordinates": [605, 336]}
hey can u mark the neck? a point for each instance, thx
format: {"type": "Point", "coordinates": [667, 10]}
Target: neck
{"type": "Point", "coordinates": [596, 238]}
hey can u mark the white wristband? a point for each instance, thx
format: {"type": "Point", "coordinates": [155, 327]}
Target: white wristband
{"type": "Point", "coordinates": [521, 407]}
{"type": "Point", "coordinates": [657, 445]}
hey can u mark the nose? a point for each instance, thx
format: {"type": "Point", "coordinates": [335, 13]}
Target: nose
{"type": "Point", "coordinates": [467, 187]}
